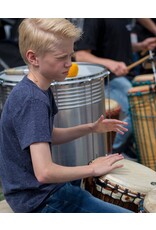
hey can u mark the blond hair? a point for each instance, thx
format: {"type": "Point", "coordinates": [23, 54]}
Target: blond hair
{"type": "Point", "coordinates": [43, 34]}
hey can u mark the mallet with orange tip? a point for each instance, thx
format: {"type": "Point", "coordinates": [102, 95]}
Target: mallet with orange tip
{"type": "Point", "coordinates": [73, 71]}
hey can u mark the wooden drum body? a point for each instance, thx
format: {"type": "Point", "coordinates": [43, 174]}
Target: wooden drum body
{"type": "Point", "coordinates": [142, 102]}
{"type": "Point", "coordinates": [112, 109]}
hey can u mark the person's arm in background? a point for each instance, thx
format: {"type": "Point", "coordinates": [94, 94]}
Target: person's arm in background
{"type": "Point", "coordinates": [148, 24]}
{"type": "Point", "coordinates": [148, 43]}
{"type": "Point", "coordinates": [116, 67]}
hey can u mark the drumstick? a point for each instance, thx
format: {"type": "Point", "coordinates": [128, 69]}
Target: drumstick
{"type": "Point", "coordinates": [138, 62]}
{"type": "Point", "coordinates": [14, 71]}
{"type": "Point", "coordinates": [143, 52]}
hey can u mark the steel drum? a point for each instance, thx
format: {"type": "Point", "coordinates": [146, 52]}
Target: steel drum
{"type": "Point", "coordinates": [80, 101]}
{"type": "Point", "coordinates": [8, 79]}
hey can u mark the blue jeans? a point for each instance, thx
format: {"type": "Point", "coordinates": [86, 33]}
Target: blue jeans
{"type": "Point", "coordinates": [73, 199]}
{"type": "Point", "coordinates": [118, 91]}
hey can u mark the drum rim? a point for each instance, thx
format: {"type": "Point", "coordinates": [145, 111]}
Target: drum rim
{"type": "Point", "coordinates": [119, 188]}
{"type": "Point", "coordinates": [143, 75]}
{"type": "Point", "coordinates": [86, 78]}
{"type": "Point", "coordinates": [80, 79]}
{"type": "Point", "coordinates": [23, 70]}
{"type": "Point", "coordinates": [143, 89]}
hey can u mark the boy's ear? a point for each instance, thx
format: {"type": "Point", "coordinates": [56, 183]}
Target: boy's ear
{"type": "Point", "coordinates": [31, 57]}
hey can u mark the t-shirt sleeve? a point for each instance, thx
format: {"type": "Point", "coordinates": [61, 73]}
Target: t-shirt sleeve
{"type": "Point", "coordinates": [33, 124]}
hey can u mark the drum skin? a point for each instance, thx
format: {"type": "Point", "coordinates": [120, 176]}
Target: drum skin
{"type": "Point", "coordinates": [144, 79]}
{"type": "Point", "coordinates": [126, 186]}
{"type": "Point", "coordinates": [149, 204]}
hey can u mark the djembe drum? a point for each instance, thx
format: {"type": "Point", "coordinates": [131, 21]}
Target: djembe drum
{"type": "Point", "coordinates": [149, 204]}
{"type": "Point", "coordinates": [142, 103]}
{"type": "Point", "coordinates": [144, 79]}
{"type": "Point", "coordinates": [126, 186]}
{"type": "Point", "coordinates": [112, 109]}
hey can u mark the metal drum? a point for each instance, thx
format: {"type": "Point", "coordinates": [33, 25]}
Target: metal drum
{"type": "Point", "coordinates": [8, 79]}
{"type": "Point", "coordinates": [80, 101]}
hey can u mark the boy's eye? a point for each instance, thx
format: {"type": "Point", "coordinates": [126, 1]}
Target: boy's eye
{"type": "Point", "coordinates": [66, 56]}
{"type": "Point", "coordinates": [62, 57]}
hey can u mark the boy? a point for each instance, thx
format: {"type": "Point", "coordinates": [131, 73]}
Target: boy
{"type": "Point", "coordinates": [31, 181]}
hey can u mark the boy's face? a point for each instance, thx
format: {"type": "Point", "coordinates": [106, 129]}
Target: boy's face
{"type": "Point", "coordinates": [55, 65]}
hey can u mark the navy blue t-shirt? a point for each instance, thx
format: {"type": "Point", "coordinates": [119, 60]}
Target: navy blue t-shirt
{"type": "Point", "coordinates": [27, 118]}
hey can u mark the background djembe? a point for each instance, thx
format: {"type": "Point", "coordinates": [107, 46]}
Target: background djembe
{"type": "Point", "coordinates": [142, 101]}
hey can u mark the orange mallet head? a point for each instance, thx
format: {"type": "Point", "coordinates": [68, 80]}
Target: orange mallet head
{"type": "Point", "coordinates": [73, 71]}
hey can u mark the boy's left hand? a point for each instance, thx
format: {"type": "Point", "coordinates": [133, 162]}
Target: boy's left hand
{"type": "Point", "coordinates": [107, 125]}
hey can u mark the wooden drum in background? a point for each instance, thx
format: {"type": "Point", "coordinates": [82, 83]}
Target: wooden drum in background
{"type": "Point", "coordinates": [112, 109]}
{"type": "Point", "coordinates": [142, 103]}
{"type": "Point", "coordinates": [126, 186]}
{"type": "Point", "coordinates": [144, 79]}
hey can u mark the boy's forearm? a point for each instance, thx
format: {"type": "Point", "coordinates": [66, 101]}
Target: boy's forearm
{"type": "Point", "coordinates": [63, 135]}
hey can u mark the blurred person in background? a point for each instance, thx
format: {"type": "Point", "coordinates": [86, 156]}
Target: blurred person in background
{"type": "Point", "coordinates": [107, 41]}
{"type": "Point", "coordinates": [9, 50]}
